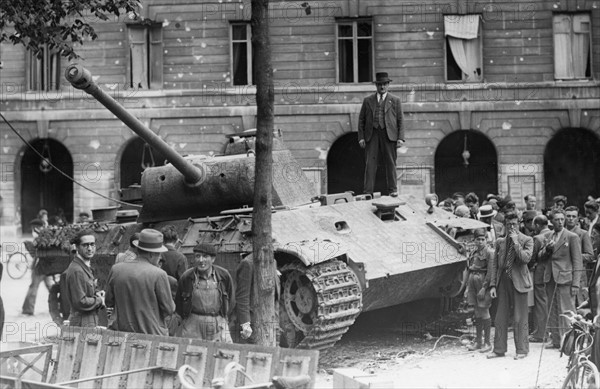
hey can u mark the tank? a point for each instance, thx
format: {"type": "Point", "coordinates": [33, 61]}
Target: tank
{"type": "Point", "coordinates": [338, 254]}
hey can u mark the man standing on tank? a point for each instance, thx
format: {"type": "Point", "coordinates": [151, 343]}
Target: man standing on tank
{"type": "Point", "coordinates": [381, 130]}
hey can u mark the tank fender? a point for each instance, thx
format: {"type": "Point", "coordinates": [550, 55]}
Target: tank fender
{"type": "Point", "coordinates": [312, 252]}
{"type": "Point", "coordinates": [359, 269]}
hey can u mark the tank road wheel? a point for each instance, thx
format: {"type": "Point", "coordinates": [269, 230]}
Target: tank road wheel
{"type": "Point", "coordinates": [318, 304]}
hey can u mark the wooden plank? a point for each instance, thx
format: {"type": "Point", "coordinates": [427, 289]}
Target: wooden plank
{"type": "Point", "coordinates": [197, 356]}
{"type": "Point", "coordinates": [67, 350]}
{"type": "Point", "coordinates": [258, 367]}
{"type": "Point", "coordinates": [139, 357]}
{"type": "Point", "coordinates": [90, 357]}
{"type": "Point", "coordinates": [166, 357]}
{"type": "Point", "coordinates": [221, 357]}
{"type": "Point", "coordinates": [294, 365]}
{"type": "Point", "coordinates": [114, 359]}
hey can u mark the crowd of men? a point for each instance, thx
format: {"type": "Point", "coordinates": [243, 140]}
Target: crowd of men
{"type": "Point", "coordinates": [528, 261]}
{"type": "Point", "coordinates": [151, 289]}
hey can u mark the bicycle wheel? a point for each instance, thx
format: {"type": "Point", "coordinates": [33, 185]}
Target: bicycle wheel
{"type": "Point", "coordinates": [583, 376]}
{"type": "Point", "coordinates": [17, 265]}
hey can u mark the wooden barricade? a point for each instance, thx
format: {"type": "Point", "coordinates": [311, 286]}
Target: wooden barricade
{"type": "Point", "coordinates": [30, 362]}
{"type": "Point", "coordinates": [131, 360]}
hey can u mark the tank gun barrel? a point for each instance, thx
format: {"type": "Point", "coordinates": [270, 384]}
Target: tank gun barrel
{"type": "Point", "coordinates": [81, 78]}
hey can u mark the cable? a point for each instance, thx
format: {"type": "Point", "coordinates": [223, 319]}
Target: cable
{"type": "Point", "coordinates": [63, 173]}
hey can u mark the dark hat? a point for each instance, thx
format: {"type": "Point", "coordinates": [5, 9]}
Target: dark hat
{"type": "Point", "coordinates": [150, 240]}
{"type": "Point", "coordinates": [36, 223]}
{"type": "Point", "coordinates": [479, 232]}
{"type": "Point", "coordinates": [560, 198]}
{"type": "Point", "coordinates": [486, 211]}
{"type": "Point", "coordinates": [84, 214]}
{"type": "Point", "coordinates": [529, 215]}
{"type": "Point", "coordinates": [381, 77]}
{"type": "Point", "coordinates": [206, 248]}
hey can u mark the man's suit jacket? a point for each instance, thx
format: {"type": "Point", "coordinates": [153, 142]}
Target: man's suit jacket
{"type": "Point", "coordinates": [565, 264]}
{"type": "Point", "coordinates": [587, 251]}
{"type": "Point", "coordinates": [394, 121]}
{"type": "Point", "coordinates": [520, 272]}
{"type": "Point", "coordinates": [540, 256]}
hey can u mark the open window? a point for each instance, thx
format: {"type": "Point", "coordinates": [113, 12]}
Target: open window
{"type": "Point", "coordinates": [43, 70]}
{"type": "Point", "coordinates": [241, 53]}
{"type": "Point", "coordinates": [354, 50]}
{"type": "Point", "coordinates": [145, 68]}
{"type": "Point", "coordinates": [463, 48]}
{"type": "Point", "coordinates": [572, 46]}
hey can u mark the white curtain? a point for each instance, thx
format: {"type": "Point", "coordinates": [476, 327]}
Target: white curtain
{"type": "Point", "coordinates": [138, 57]}
{"type": "Point", "coordinates": [463, 37]}
{"type": "Point", "coordinates": [571, 46]}
{"type": "Point", "coordinates": [466, 54]}
{"type": "Point", "coordinates": [581, 44]}
{"type": "Point", "coordinates": [563, 67]}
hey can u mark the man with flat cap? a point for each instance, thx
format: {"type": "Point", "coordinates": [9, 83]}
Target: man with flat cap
{"type": "Point", "coordinates": [205, 297]}
{"type": "Point", "coordinates": [139, 290]}
{"type": "Point", "coordinates": [381, 130]}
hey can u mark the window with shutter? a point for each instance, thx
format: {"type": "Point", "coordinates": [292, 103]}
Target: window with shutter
{"type": "Point", "coordinates": [572, 46]}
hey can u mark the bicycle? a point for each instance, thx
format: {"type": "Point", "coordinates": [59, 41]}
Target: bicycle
{"type": "Point", "coordinates": [582, 372]}
{"type": "Point", "coordinates": [18, 262]}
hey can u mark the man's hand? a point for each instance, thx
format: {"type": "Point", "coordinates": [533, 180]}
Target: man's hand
{"type": "Point", "coordinates": [246, 330]}
{"type": "Point", "coordinates": [102, 295]}
{"type": "Point", "coordinates": [362, 143]}
{"type": "Point", "coordinates": [574, 290]}
{"type": "Point", "coordinates": [493, 292]}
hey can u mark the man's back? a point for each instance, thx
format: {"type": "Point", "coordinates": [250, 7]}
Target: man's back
{"type": "Point", "coordinates": [141, 295]}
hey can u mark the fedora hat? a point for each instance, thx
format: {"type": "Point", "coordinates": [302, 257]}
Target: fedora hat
{"type": "Point", "coordinates": [381, 77]}
{"type": "Point", "coordinates": [150, 240]}
{"type": "Point", "coordinates": [486, 211]}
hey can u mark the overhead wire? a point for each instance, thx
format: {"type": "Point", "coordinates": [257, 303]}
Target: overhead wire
{"type": "Point", "coordinates": [63, 173]}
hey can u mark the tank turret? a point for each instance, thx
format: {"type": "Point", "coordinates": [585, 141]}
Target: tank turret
{"type": "Point", "coordinates": [201, 185]}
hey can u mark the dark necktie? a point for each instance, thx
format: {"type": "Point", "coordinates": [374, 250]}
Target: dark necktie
{"type": "Point", "coordinates": [380, 115]}
{"type": "Point", "coordinates": [510, 256]}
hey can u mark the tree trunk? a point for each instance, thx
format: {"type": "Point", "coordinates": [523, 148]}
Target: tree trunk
{"type": "Point", "coordinates": [263, 305]}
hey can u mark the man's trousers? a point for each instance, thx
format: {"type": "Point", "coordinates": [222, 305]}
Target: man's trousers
{"type": "Point", "coordinates": [509, 298]}
{"type": "Point", "coordinates": [380, 143]}
{"type": "Point", "coordinates": [560, 300]}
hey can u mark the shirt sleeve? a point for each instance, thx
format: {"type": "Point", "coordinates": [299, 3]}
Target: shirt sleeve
{"type": "Point", "coordinates": [242, 292]}
{"type": "Point", "coordinates": [166, 306]}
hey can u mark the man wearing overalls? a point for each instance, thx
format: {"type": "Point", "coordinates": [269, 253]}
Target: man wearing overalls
{"type": "Point", "coordinates": [204, 298]}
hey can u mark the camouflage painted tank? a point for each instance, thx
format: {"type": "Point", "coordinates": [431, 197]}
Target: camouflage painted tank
{"type": "Point", "coordinates": [338, 255]}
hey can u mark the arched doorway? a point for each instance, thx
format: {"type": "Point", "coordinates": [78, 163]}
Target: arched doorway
{"type": "Point", "coordinates": [346, 167]}
{"type": "Point", "coordinates": [571, 166]}
{"type": "Point", "coordinates": [42, 186]}
{"type": "Point", "coordinates": [452, 175]}
{"type": "Point", "coordinates": [137, 156]}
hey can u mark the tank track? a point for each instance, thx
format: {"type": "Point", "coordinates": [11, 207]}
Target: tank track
{"type": "Point", "coordinates": [337, 301]}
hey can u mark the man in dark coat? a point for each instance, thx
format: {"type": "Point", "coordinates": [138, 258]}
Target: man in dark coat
{"type": "Point", "coordinates": [173, 262]}
{"type": "Point", "coordinates": [537, 266]}
{"type": "Point", "coordinates": [244, 296]}
{"type": "Point", "coordinates": [139, 290]}
{"type": "Point", "coordinates": [510, 281]}
{"type": "Point", "coordinates": [381, 130]}
{"type": "Point", "coordinates": [81, 285]}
